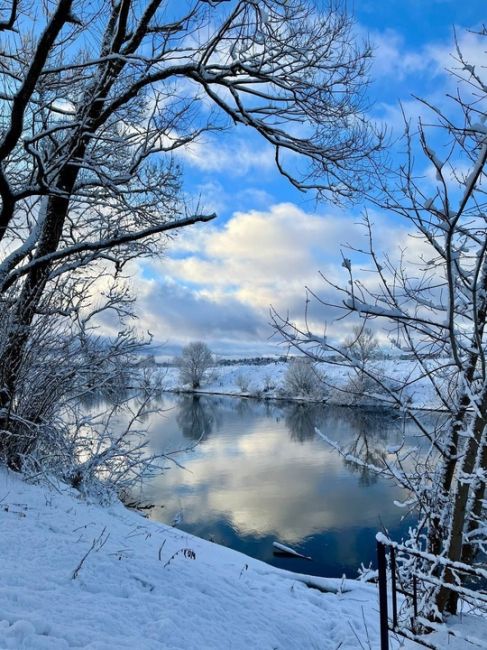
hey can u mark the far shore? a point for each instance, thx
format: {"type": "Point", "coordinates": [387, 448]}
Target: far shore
{"type": "Point", "coordinates": [333, 385]}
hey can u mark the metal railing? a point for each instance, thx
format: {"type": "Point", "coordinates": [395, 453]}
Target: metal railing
{"type": "Point", "coordinates": [410, 628]}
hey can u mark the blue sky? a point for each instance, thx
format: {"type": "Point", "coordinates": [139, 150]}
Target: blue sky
{"type": "Point", "coordinates": [217, 281]}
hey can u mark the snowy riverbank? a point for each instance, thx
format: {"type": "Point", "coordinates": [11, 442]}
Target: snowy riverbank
{"type": "Point", "coordinates": [268, 381]}
{"type": "Point", "coordinates": [143, 585]}
{"type": "Point", "coordinates": [77, 575]}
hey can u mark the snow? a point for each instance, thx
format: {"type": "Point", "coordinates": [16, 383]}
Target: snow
{"type": "Point", "coordinates": [374, 310]}
{"type": "Point", "coordinates": [267, 381]}
{"type": "Point", "coordinates": [289, 551]}
{"type": "Point", "coordinates": [76, 575]}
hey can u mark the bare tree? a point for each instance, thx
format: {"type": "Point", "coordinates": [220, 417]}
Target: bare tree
{"type": "Point", "coordinates": [195, 360]}
{"type": "Point", "coordinates": [66, 419]}
{"type": "Point", "coordinates": [96, 98]}
{"type": "Point", "coordinates": [436, 307]}
{"type": "Point", "coordinates": [362, 343]}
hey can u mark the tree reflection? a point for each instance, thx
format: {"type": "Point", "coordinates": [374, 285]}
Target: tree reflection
{"type": "Point", "coordinates": [302, 420]}
{"type": "Point", "coordinates": [361, 433]}
{"type": "Point", "coordinates": [371, 431]}
{"type": "Point", "coordinates": [104, 396]}
{"type": "Point", "coordinates": [245, 407]}
{"type": "Point", "coordinates": [195, 417]}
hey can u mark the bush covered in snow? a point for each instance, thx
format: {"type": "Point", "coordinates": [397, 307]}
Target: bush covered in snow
{"type": "Point", "coordinates": [302, 379]}
{"type": "Point", "coordinates": [243, 382]}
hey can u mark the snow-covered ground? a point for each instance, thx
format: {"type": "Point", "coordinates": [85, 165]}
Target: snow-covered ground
{"type": "Point", "coordinates": [268, 381]}
{"type": "Point", "coordinates": [146, 586]}
{"type": "Point", "coordinates": [76, 575]}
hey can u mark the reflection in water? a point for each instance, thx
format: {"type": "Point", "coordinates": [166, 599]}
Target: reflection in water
{"type": "Point", "coordinates": [194, 417]}
{"type": "Point", "coordinates": [104, 397]}
{"type": "Point", "coordinates": [264, 475]}
{"type": "Point", "coordinates": [302, 420]}
{"type": "Point", "coordinates": [372, 429]}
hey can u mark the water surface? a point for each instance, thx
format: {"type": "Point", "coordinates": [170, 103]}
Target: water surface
{"type": "Point", "coordinates": [260, 474]}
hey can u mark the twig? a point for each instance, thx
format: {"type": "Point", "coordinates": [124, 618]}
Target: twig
{"type": "Point", "coordinates": [356, 636]}
{"type": "Point", "coordinates": [366, 628]}
{"type": "Point", "coordinates": [187, 552]}
{"type": "Point", "coordinates": [97, 542]}
{"type": "Point", "coordinates": [160, 550]}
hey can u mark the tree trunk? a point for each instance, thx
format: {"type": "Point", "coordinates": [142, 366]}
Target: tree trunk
{"type": "Point", "coordinates": [15, 443]}
{"type": "Point", "coordinates": [476, 511]}
{"type": "Point", "coordinates": [447, 599]}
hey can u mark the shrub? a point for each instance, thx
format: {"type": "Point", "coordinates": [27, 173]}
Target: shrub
{"type": "Point", "coordinates": [302, 379]}
{"type": "Point", "coordinates": [243, 382]}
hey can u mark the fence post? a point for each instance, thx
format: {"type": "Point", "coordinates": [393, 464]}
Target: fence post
{"type": "Point", "coordinates": [394, 587]}
{"type": "Point", "coordinates": [384, 619]}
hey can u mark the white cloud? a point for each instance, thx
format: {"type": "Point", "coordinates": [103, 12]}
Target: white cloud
{"type": "Point", "coordinates": [212, 196]}
{"type": "Point", "coordinates": [390, 57]}
{"type": "Point", "coordinates": [236, 156]}
{"type": "Point", "coordinates": [218, 283]}
{"type": "Point", "coordinates": [393, 59]}
{"type": "Point", "coordinates": [433, 73]}
{"type": "Point", "coordinates": [472, 47]}
{"type": "Point", "coordinates": [395, 116]}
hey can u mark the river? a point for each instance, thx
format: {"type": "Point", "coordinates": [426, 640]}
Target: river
{"type": "Point", "coordinates": [260, 473]}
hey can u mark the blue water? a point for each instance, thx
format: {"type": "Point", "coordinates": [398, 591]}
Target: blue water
{"type": "Point", "coordinates": [260, 474]}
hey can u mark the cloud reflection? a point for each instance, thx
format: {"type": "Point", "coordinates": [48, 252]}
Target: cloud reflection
{"type": "Point", "coordinates": [266, 474]}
